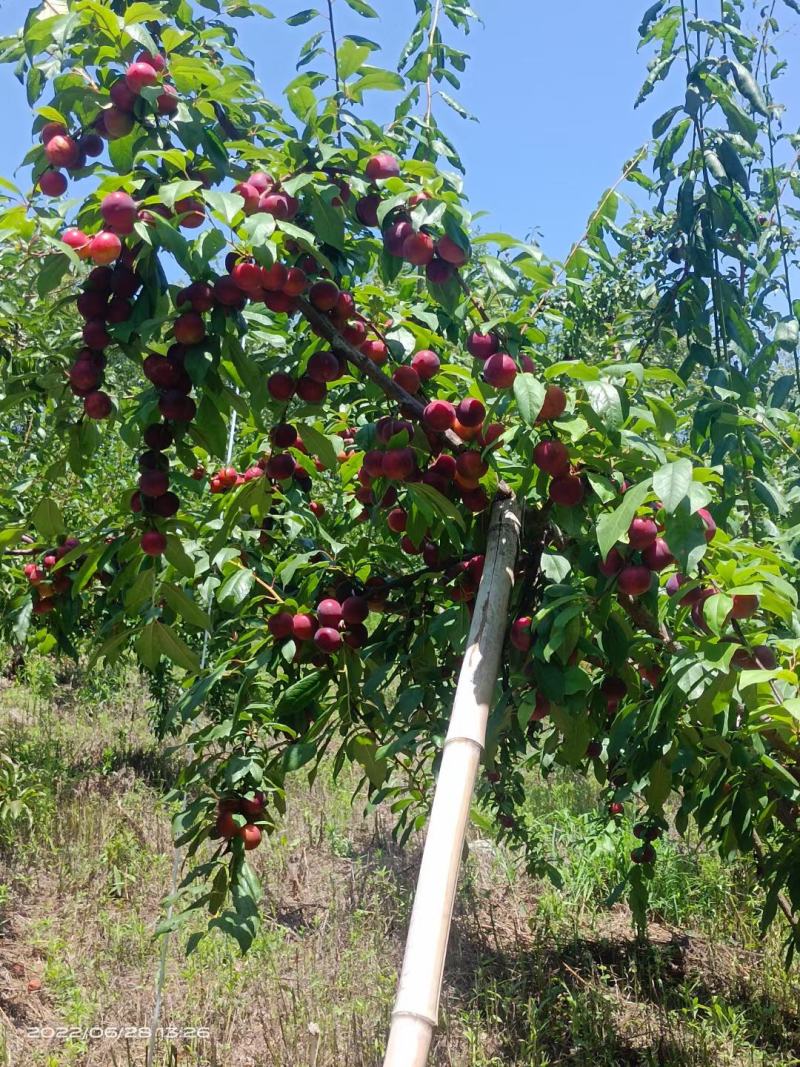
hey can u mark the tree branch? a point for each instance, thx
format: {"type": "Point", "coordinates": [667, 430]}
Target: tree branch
{"type": "Point", "coordinates": [429, 80]}
{"type": "Point", "coordinates": [336, 72]}
{"type": "Point", "coordinates": [396, 392]}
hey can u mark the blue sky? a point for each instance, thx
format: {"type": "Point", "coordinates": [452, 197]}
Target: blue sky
{"type": "Point", "coordinates": [552, 84]}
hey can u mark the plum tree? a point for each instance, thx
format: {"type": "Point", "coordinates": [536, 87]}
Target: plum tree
{"type": "Point", "coordinates": [304, 307]}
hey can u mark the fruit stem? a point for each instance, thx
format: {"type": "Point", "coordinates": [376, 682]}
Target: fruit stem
{"type": "Point", "coordinates": [265, 585]}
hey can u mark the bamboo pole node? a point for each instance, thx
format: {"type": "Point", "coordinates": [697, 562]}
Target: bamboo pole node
{"type": "Point", "coordinates": [416, 1009]}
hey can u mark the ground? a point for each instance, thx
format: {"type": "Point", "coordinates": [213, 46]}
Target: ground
{"type": "Point", "coordinates": [537, 975]}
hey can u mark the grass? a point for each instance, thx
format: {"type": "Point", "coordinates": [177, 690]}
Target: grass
{"type": "Point", "coordinates": [537, 975]}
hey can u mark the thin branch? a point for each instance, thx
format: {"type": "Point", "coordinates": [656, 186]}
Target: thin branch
{"type": "Point", "coordinates": [645, 621]}
{"type": "Point", "coordinates": [343, 348]}
{"type": "Point", "coordinates": [779, 220]}
{"type": "Point", "coordinates": [592, 219]}
{"type": "Point", "coordinates": [429, 80]}
{"type": "Point", "coordinates": [476, 304]}
{"type": "Point", "coordinates": [336, 72]}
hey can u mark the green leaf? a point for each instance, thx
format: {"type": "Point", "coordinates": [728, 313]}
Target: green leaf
{"type": "Point", "coordinates": [529, 393]}
{"type": "Point", "coordinates": [729, 158]}
{"type": "Point", "coordinates": [111, 645]}
{"type": "Point", "coordinates": [183, 605]}
{"type": "Point", "coordinates": [781, 390]}
{"type": "Point", "coordinates": [303, 103]}
{"type": "Point", "coordinates": [685, 536]}
{"type": "Point", "coordinates": [319, 445]}
{"type": "Point", "coordinates": [193, 75]}
{"type": "Point", "coordinates": [662, 124]}
{"type": "Point", "coordinates": [499, 273]}
{"type": "Point", "coordinates": [258, 229]}
{"type": "Point", "coordinates": [209, 428]}
{"type": "Point", "coordinates": [297, 756]}
{"type": "Point", "coordinates": [329, 221]}
{"type": "Point", "coordinates": [770, 496]}
{"type": "Point", "coordinates": [140, 591]}
{"type": "Point", "coordinates": [427, 495]}
{"type": "Point", "coordinates": [749, 88]}
{"type": "Point", "coordinates": [363, 750]}
{"type": "Point", "coordinates": [351, 57]}
{"type": "Point", "coordinates": [300, 18]}
{"type": "Point", "coordinates": [177, 556]}
{"type": "Point", "coordinates": [670, 145]}
{"type": "Point", "coordinates": [171, 646]}
{"type": "Point", "coordinates": [142, 37]}
{"type": "Point", "coordinates": [142, 12]}
{"type": "Point", "coordinates": [376, 78]}
{"type": "Point", "coordinates": [362, 8]}
{"type": "Point", "coordinates": [227, 205]}
{"type": "Point", "coordinates": [650, 16]}
{"type": "Point", "coordinates": [738, 120]}
{"type": "Point", "coordinates": [671, 483]}
{"type": "Point", "coordinates": [47, 518]}
{"type": "Point", "coordinates": [613, 527]}
{"type": "Point", "coordinates": [236, 587]}
{"type": "Point", "coordinates": [147, 648]}
{"type": "Point", "coordinates": [787, 334]}
{"type": "Point", "coordinates": [10, 536]}
{"type": "Point", "coordinates": [121, 151]}
{"type": "Point", "coordinates": [455, 106]}
{"type": "Point", "coordinates": [606, 403]}
{"type": "Point", "coordinates": [22, 621]}
{"type": "Point", "coordinates": [51, 273]}
{"type": "Point", "coordinates": [660, 785]}
{"type": "Point", "coordinates": [716, 611]}
{"type": "Point", "coordinates": [301, 694]}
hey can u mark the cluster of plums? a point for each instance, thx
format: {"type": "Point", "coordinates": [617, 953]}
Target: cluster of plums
{"type": "Point", "coordinates": [279, 466]}
{"type": "Point", "coordinates": [105, 301]}
{"type": "Point", "coordinates": [278, 286]}
{"type": "Point", "coordinates": [395, 462]}
{"type": "Point", "coordinates": [65, 151]}
{"type": "Point", "coordinates": [238, 816]}
{"type": "Point", "coordinates": [263, 194]}
{"type": "Point", "coordinates": [647, 832]}
{"type": "Point", "coordinates": [48, 580]}
{"type": "Point", "coordinates": [652, 551]}
{"type": "Point", "coordinates": [441, 256]}
{"type": "Point", "coordinates": [333, 624]}
{"type": "Point", "coordinates": [153, 497]}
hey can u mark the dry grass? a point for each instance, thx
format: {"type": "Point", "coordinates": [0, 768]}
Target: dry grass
{"type": "Point", "coordinates": [536, 977]}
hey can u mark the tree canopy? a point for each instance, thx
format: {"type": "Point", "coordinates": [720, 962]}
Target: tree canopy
{"type": "Point", "coordinates": [265, 375]}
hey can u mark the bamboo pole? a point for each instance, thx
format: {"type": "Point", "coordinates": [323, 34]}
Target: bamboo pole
{"type": "Point", "coordinates": [416, 1009]}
